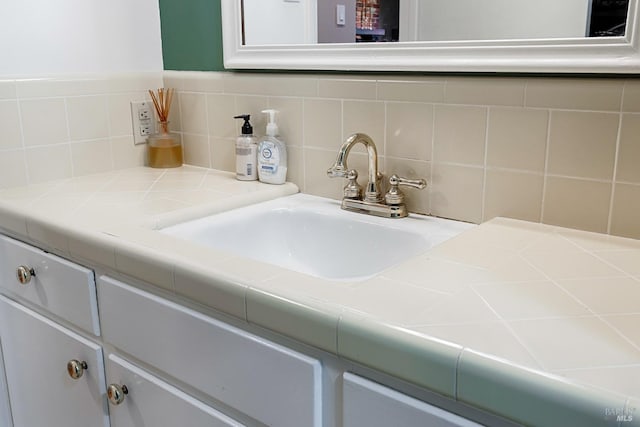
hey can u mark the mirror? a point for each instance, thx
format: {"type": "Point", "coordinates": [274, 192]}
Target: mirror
{"type": "Point", "coordinates": [267, 22]}
{"type": "Point", "coordinates": [586, 40]}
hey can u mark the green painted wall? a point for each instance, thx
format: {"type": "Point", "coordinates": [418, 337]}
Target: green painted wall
{"type": "Point", "coordinates": [191, 35]}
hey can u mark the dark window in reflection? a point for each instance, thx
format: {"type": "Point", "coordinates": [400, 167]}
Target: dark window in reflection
{"type": "Point", "coordinates": [377, 20]}
{"type": "Point", "coordinates": [608, 18]}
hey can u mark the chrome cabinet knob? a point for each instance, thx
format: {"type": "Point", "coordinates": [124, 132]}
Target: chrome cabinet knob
{"type": "Point", "coordinates": [24, 274]}
{"type": "Point", "coordinates": [116, 393]}
{"type": "Point", "coordinates": [76, 369]}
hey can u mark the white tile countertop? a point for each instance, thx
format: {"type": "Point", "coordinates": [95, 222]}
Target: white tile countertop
{"type": "Point", "coordinates": [507, 316]}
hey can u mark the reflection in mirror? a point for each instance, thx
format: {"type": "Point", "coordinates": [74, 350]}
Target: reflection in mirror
{"type": "Point", "coordinates": [599, 48]}
{"type": "Point", "coordinates": [608, 18]}
{"type": "Point", "coordinates": [287, 22]}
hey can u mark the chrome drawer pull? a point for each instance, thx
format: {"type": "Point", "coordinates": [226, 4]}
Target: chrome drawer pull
{"type": "Point", "coordinates": [24, 274]}
{"type": "Point", "coordinates": [76, 369]}
{"type": "Point", "coordinates": [116, 393]}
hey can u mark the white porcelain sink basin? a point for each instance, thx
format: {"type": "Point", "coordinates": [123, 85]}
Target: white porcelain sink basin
{"type": "Point", "coordinates": [313, 235]}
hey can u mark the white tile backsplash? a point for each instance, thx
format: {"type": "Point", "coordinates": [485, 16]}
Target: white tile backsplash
{"type": "Point", "coordinates": [49, 162]}
{"type": "Point", "coordinates": [64, 126]}
{"type": "Point", "coordinates": [94, 156]}
{"type": "Point", "coordinates": [10, 133]}
{"type": "Point", "coordinates": [13, 170]}
{"type": "Point", "coordinates": [535, 148]}
{"type": "Point", "coordinates": [88, 118]}
{"type": "Point", "coordinates": [44, 121]}
{"type": "Point", "coordinates": [7, 89]}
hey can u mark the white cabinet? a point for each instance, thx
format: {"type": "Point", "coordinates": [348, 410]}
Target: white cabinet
{"type": "Point", "coordinates": [52, 319]}
{"type": "Point", "coordinates": [268, 382]}
{"type": "Point", "coordinates": [366, 403]}
{"type": "Point", "coordinates": [42, 393]}
{"type": "Point", "coordinates": [257, 378]}
{"type": "Point", "coordinates": [60, 287]}
{"type": "Point", "coordinates": [152, 402]}
{"type": "Point", "coordinates": [5, 408]}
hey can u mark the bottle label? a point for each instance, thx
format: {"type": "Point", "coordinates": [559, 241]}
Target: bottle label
{"type": "Point", "coordinates": [269, 158]}
{"type": "Point", "coordinates": [246, 163]}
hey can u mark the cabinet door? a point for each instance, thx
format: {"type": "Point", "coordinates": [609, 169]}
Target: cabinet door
{"type": "Point", "coordinates": [152, 402]}
{"type": "Point", "coordinates": [59, 286]}
{"type": "Point", "coordinates": [366, 403]}
{"type": "Point", "coordinates": [268, 382]}
{"type": "Point", "coordinates": [36, 352]}
{"type": "Point", "coordinates": [5, 409]}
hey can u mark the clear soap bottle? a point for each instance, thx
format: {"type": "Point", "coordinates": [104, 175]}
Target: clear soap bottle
{"type": "Point", "coordinates": [246, 152]}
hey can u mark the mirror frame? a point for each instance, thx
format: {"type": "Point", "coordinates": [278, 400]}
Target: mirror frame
{"type": "Point", "coordinates": [613, 55]}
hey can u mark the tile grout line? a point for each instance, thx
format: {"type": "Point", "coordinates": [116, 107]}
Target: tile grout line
{"type": "Point", "coordinates": [618, 332]}
{"type": "Point", "coordinates": [504, 322]}
{"type": "Point", "coordinates": [22, 139]}
{"type": "Point", "coordinates": [456, 380]}
{"type": "Point", "coordinates": [149, 190]}
{"type": "Point", "coordinates": [483, 202]}
{"type": "Point", "coordinates": [615, 162]}
{"type": "Point", "coordinates": [303, 150]}
{"type": "Point", "coordinates": [92, 196]}
{"type": "Point", "coordinates": [518, 319]}
{"type": "Point", "coordinates": [595, 255]}
{"type": "Point", "coordinates": [107, 105]}
{"type": "Point", "coordinates": [589, 309]}
{"type": "Point", "coordinates": [431, 160]}
{"type": "Point", "coordinates": [385, 125]}
{"type": "Point", "coordinates": [624, 365]}
{"type": "Point", "coordinates": [210, 151]}
{"type": "Point", "coordinates": [68, 143]}
{"type": "Point", "coordinates": [546, 165]}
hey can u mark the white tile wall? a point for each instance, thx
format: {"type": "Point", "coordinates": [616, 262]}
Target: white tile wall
{"type": "Point", "coordinates": [61, 127]}
{"type": "Point", "coordinates": [562, 151]}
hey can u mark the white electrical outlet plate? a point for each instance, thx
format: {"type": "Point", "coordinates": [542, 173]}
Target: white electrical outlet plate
{"type": "Point", "coordinates": [142, 121]}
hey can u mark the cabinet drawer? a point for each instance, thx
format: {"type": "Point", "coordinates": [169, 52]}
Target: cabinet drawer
{"type": "Point", "coordinates": [5, 409]}
{"type": "Point", "coordinates": [366, 403]}
{"type": "Point", "coordinates": [152, 402]}
{"type": "Point", "coordinates": [261, 379]}
{"type": "Point", "coordinates": [59, 286]}
{"type": "Point", "coordinates": [36, 352]}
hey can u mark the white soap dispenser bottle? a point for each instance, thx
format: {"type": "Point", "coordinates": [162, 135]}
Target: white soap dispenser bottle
{"type": "Point", "coordinates": [272, 154]}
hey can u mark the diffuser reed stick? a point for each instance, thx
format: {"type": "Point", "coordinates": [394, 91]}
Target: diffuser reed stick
{"type": "Point", "coordinates": [162, 102]}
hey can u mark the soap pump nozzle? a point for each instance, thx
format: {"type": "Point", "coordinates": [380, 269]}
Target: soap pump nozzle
{"type": "Point", "coordinates": [247, 129]}
{"type": "Point", "coordinates": [272, 127]}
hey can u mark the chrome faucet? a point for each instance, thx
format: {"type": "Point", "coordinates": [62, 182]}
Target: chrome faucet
{"type": "Point", "coordinates": [340, 169]}
{"type": "Point", "coordinates": [373, 203]}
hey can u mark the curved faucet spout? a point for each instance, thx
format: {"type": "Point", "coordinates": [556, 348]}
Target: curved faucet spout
{"type": "Point", "coordinates": [340, 169]}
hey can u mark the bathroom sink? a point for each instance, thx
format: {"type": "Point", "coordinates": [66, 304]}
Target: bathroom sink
{"type": "Point", "coordinates": [312, 235]}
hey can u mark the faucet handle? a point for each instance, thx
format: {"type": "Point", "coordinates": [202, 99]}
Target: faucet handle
{"type": "Point", "coordinates": [352, 190]}
{"type": "Point", "coordinates": [415, 183]}
{"type": "Point", "coordinates": [394, 196]}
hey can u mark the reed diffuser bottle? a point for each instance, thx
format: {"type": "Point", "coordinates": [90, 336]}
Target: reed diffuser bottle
{"type": "Point", "coordinates": [164, 149]}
